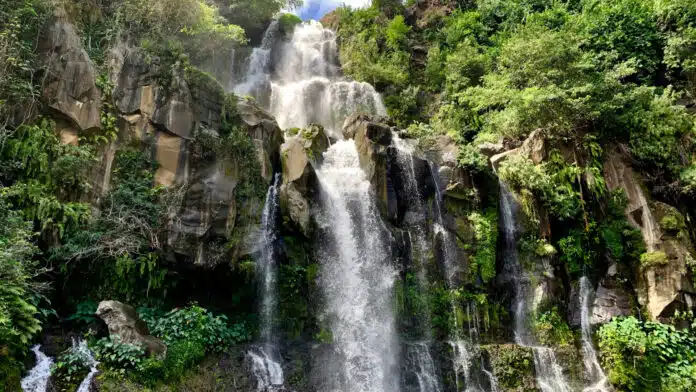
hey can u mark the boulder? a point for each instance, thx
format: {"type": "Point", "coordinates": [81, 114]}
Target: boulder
{"type": "Point", "coordinates": [299, 177]}
{"type": "Point", "coordinates": [70, 78]}
{"type": "Point", "coordinates": [533, 147]}
{"type": "Point", "coordinates": [124, 324]}
{"type": "Point", "coordinates": [489, 149]}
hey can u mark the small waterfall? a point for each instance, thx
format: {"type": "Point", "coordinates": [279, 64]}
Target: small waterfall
{"type": "Point", "coordinates": [264, 359]}
{"type": "Point", "coordinates": [356, 278]}
{"type": "Point", "coordinates": [37, 378]}
{"type": "Point", "coordinates": [548, 372]}
{"type": "Point", "coordinates": [418, 358]}
{"type": "Point", "coordinates": [593, 371]}
{"type": "Point", "coordinates": [304, 85]}
{"type": "Point", "coordinates": [466, 356]}
{"type": "Point", "coordinates": [420, 362]}
{"type": "Point", "coordinates": [85, 353]}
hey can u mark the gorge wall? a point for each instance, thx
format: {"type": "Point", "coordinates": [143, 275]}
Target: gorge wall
{"type": "Point", "coordinates": [366, 258]}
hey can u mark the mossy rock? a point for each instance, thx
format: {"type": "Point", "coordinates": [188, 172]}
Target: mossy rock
{"type": "Point", "coordinates": [513, 366]}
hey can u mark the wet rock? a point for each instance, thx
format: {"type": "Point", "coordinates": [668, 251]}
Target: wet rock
{"type": "Point", "coordinates": [70, 79]}
{"type": "Point", "coordinates": [299, 178]}
{"type": "Point", "coordinates": [124, 324]}
{"type": "Point", "coordinates": [611, 300]}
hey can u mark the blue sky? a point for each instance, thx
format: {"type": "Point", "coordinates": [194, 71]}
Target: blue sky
{"type": "Point", "coordinates": [315, 9]}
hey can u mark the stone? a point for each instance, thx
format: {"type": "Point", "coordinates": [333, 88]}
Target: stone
{"type": "Point", "coordinates": [70, 78]}
{"type": "Point", "coordinates": [299, 177]}
{"type": "Point", "coordinates": [534, 147]}
{"type": "Point", "coordinates": [610, 300]}
{"type": "Point", "coordinates": [497, 159]}
{"type": "Point", "coordinates": [489, 149]}
{"type": "Point", "coordinates": [124, 324]}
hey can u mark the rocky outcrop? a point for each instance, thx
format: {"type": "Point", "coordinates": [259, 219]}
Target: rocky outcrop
{"type": "Point", "coordinates": [125, 325]}
{"type": "Point", "coordinates": [299, 178]}
{"type": "Point", "coordinates": [663, 286]}
{"type": "Point", "coordinates": [70, 80]}
{"type": "Point", "coordinates": [533, 147]}
{"type": "Point", "coordinates": [611, 300]}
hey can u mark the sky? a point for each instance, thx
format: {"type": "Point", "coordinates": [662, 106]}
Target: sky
{"type": "Point", "coordinates": [315, 9]}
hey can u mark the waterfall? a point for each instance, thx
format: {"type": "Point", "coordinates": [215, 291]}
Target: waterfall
{"type": "Point", "coordinates": [593, 371]}
{"type": "Point", "coordinates": [548, 372]}
{"type": "Point", "coordinates": [85, 353]}
{"type": "Point", "coordinates": [37, 378]}
{"type": "Point", "coordinates": [264, 359]}
{"type": "Point", "coordinates": [356, 277]}
{"type": "Point", "coordinates": [304, 85]}
{"type": "Point", "coordinates": [418, 358]}
{"type": "Point", "coordinates": [466, 356]}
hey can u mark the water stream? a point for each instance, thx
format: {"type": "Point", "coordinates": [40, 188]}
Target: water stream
{"type": "Point", "coordinates": [549, 373]}
{"type": "Point", "coordinates": [81, 348]}
{"type": "Point", "coordinates": [356, 278]}
{"type": "Point", "coordinates": [305, 84]}
{"type": "Point", "coordinates": [264, 358]}
{"type": "Point", "coordinates": [594, 374]}
{"type": "Point", "coordinates": [37, 378]}
{"type": "Point", "coordinates": [470, 372]}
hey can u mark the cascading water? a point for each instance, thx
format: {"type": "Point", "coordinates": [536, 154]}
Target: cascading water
{"type": "Point", "coordinates": [418, 358]}
{"type": "Point", "coordinates": [80, 347]}
{"type": "Point", "coordinates": [594, 374]}
{"type": "Point", "coordinates": [549, 373]}
{"type": "Point", "coordinates": [466, 359]}
{"type": "Point", "coordinates": [305, 84]}
{"type": "Point", "coordinates": [356, 278]}
{"type": "Point", "coordinates": [37, 378]}
{"type": "Point", "coordinates": [264, 358]}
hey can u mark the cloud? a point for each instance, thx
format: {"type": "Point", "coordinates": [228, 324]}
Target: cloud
{"type": "Point", "coordinates": [315, 9]}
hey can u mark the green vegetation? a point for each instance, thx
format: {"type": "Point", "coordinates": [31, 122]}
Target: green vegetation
{"type": "Point", "coordinates": [648, 356]}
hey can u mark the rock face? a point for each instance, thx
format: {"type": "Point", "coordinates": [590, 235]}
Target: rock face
{"type": "Point", "coordinates": [70, 84]}
{"type": "Point", "coordinates": [533, 147]}
{"type": "Point", "coordinates": [662, 287]}
{"type": "Point", "coordinates": [299, 177]}
{"type": "Point", "coordinates": [125, 325]}
{"type": "Point", "coordinates": [611, 300]}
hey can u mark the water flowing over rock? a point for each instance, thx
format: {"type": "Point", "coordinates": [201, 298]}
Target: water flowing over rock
{"type": "Point", "coordinates": [125, 325]}
{"type": "Point", "coordinates": [662, 287]}
{"type": "Point", "coordinates": [549, 373]}
{"type": "Point", "coordinates": [37, 378]}
{"type": "Point", "coordinates": [594, 374]}
{"type": "Point", "coordinates": [265, 359]}
{"type": "Point", "coordinates": [81, 348]}
{"type": "Point", "coordinates": [356, 278]}
{"type": "Point", "coordinates": [299, 81]}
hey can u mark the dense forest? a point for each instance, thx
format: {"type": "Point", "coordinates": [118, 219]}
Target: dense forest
{"type": "Point", "coordinates": [170, 203]}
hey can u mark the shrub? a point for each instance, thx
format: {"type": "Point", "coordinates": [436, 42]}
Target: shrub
{"type": "Point", "coordinates": [181, 356]}
{"type": "Point", "coordinates": [117, 355]}
{"type": "Point", "coordinates": [651, 259]}
{"type": "Point", "coordinates": [196, 324]}
{"type": "Point", "coordinates": [552, 329]}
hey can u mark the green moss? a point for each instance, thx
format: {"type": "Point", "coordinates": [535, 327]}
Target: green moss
{"type": "Point", "coordinates": [651, 259]}
{"type": "Point", "coordinates": [551, 328]}
{"type": "Point", "coordinates": [324, 336]}
{"type": "Point", "coordinates": [513, 366]}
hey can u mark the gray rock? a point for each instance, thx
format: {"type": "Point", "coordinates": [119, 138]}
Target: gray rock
{"type": "Point", "coordinates": [70, 79]}
{"type": "Point", "coordinates": [489, 149]}
{"type": "Point", "coordinates": [124, 324]}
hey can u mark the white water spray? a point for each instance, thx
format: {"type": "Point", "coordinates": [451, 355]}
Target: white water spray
{"type": "Point", "coordinates": [305, 84]}
{"type": "Point", "coordinates": [549, 373]}
{"type": "Point", "coordinates": [594, 374]}
{"type": "Point", "coordinates": [264, 358]}
{"type": "Point", "coordinates": [37, 378]}
{"type": "Point", "coordinates": [357, 278]}
{"type": "Point", "coordinates": [80, 347]}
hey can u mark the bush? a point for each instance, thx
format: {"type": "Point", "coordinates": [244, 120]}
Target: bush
{"type": "Point", "coordinates": [182, 356]}
{"type": "Point", "coordinates": [552, 329]}
{"type": "Point", "coordinates": [652, 259]}
{"type": "Point", "coordinates": [118, 356]}
{"type": "Point", "coordinates": [648, 356]}
{"type": "Point", "coordinates": [196, 324]}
